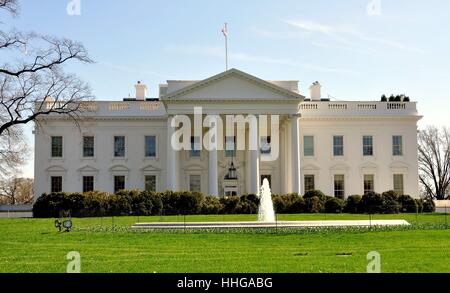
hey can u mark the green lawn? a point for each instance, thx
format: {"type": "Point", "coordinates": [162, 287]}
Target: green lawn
{"type": "Point", "coordinates": [34, 245]}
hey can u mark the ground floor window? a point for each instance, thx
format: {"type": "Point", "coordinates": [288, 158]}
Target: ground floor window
{"type": "Point", "coordinates": [150, 183]}
{"type": "Point", "coordinates": [268, 177]}
{"type": "Point", "coordinates": [88, 183]}
{"type": "Point", "coordinates": [195, 183]}
{"type": "Point", "coordinates": [339, 186]}
{"type": "Point", "coordinates": [368, 183]}
{"type": "Point", "coordinates": [309, 183]}
{"type": "Point", "coordinates": [56, 184]}
{"type": "Point", "coordinates": [119, 183]}
{"type": "Point", "coordinates": [398, 184]}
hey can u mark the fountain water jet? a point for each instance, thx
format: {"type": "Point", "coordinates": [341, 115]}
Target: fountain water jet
{"type": "Point", "coordinates": [266, 213]}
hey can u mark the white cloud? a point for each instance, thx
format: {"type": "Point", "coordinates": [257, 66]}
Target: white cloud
{"type": "Point", "coordinates": [345, 34]}
{"type": "Point", "coordinates": [218, 52]}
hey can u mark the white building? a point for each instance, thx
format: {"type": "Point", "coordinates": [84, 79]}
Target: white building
{"type": "Point", "coordinates": [341, 148]}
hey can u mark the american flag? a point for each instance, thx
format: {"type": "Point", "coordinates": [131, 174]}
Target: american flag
{"type": "Point", "coordinates": [225, 30]}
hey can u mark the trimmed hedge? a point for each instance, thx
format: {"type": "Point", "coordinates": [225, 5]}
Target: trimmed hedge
{"type": "Point", "coordinates": [143, 203]}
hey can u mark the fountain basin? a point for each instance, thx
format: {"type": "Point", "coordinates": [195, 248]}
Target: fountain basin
{"type": "Point", "coordinates": [278, 224]}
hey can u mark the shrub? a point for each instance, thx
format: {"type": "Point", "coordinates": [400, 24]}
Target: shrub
{"type": "Point", "coordinates": [314, 205]}
{"type": "Point", "coordinates": [315, 193]}
{"type": "Point", "coordinates": [408, 204]}
{"type": "Point", "coordinates": [157, 204]}
{"type": "Point", "coordinates": [390, 202]}
{"type": "Point", "coordinates": [120, 204]}
{"type": "Point", "coordinates": [96, 204]}
{"type": "Point", "coordinates": [428, 205]}
{"type": "Point", "coordinates": [371, 203]}
{"type": "Point", "coordinates": [383, 98]}
{"type": "Point", "coordinates": [248, 204]}
{"type": "Point", "coordinates": [141, 203]}
{"type": "Point", "coordinates": [334, 205]}
{"type": "Point", "coordinates": [419, 203]}
{"type": "Point", "coordinates": [353, 204]}
{"type": "Point", "coordinates": [230, 204]}
{"type": "Point", "coordinates": [49, 205]}
{"type": "Point", "coordinates": [288, 203]}
{"type": "Point", "coordinates": [211, 205]}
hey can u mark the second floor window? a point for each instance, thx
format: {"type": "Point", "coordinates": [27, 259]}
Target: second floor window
{"type": "Point", "coordinates": [308, 145]}
{"type": "Point", "coordinates": [397, 145]}
{"type": "Point", "coordinates": [88, 146]}
{"type": "Point", "coordinates": [119, 146]}
{"type": "Point", "coordinates": [368, 145]}
{"type": "Point", "coordinates": [338, 145]}
{"type": "Point", "coordinates": [57, 146]}
{"type": "Point", "coordinates": [150, 146]}
{"type": "Point", "coordinates": [195, 146]}
{"type": "Point", "coordinates": [265, 145]}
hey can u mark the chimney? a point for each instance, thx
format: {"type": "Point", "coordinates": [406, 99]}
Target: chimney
{"type": "Point", "coordinates": [315, 91]}
{"type": "Point", "coordinates": [141, 90]}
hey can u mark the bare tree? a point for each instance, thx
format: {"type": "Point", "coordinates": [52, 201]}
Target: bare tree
{"type": "Point", "coordinates": [16, 191]}
{"type": "Point", "coordinates": [434, 162]}
{"type": "Point", "coordinates": [36, 84]}
{"type": "Point", "coordinates": [13, 152]}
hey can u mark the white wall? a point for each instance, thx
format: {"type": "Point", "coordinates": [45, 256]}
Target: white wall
{"type": "Point", "coordinates": [353, 164]}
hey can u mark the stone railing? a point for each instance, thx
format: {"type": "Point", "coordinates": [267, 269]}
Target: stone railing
{"type": "Point", "coordinates": [357, 108]}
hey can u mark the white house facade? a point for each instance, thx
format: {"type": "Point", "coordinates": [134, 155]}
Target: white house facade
{"type": "Point", "coordinates": [340, 148]}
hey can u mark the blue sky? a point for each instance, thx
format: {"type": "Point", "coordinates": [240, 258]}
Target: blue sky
{"type": "Point", "coordinates": [356, 55]}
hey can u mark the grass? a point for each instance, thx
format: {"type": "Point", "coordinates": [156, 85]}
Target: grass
{"type": "Point", "coordinates": [34, 245]}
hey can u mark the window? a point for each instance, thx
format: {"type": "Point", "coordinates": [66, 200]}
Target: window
{"type": "Point", "coordinates": [308, 145]}
{"type": "Point", "coordinates": [195, 183]}
{"type": "Point", "coordinates": [397, 145]}
{"type": "Point", "coordinates": [309, 183]}
{"type": "Point", "coordinates": [265, 145]}
{"type": "Point", "coordinates": [195, 146]}
{"type": "Point", "coordinates": [57, 146]}
{"type": "Point", "coordinates": [339, 186]}
{"type": "Point", "coordinates": [368, 183]}
{"type": "Point", "coordinates": [150, 183]}
{"type": "Point", "coordinates": [338, 145]}
{"type": "Point", "coordinates": [88, 183]}
{"type": "Point", "coordinates": [230, 146]}
{"type": "Point", "coordinates": [268, 177]}
{"type": "Point", "coordinates": [88, 146]}
{"type": "Point", "coordinates": [119, 183]}
{"type": "Point", "coordinates": [398, 184]}
{"type": "Point", "coordinates": [119, 146]}
{"type": "Point", "coordinates": [368, 145]}
{"type": "Point", "coordinates": [56, 184]}
{"type": "Point", "coordinates": [150, 146]}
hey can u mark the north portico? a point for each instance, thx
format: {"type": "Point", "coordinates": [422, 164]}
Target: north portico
{"type": "Point", "coordinates": [230, 94]}
{"type": "Point", "coordinates": [341, 148]}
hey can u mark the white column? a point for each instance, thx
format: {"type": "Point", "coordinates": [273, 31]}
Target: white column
{"type": "Point", "coordinates": [172, 161]}
{"type": "Point", "coordinates": [254, 157]}
{"type": "Point", "coordinates": [295, 154]}
{"type": "Point", "coordinates": [213, 184]}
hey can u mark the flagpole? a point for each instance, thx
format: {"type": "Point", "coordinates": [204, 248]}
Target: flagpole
{"type": "Point", "coordinates": [226, 53]}
{"type": "Point", "coordinates": [225, 34]}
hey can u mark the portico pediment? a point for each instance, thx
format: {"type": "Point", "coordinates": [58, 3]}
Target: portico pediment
{"type": "Point", "coordinates": [232, 85]}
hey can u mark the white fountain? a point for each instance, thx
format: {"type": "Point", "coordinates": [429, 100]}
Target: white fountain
{"type": "Point", "coordinates": [266, 219]}
{"type": "Point", "coordinates": [266, 213]}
